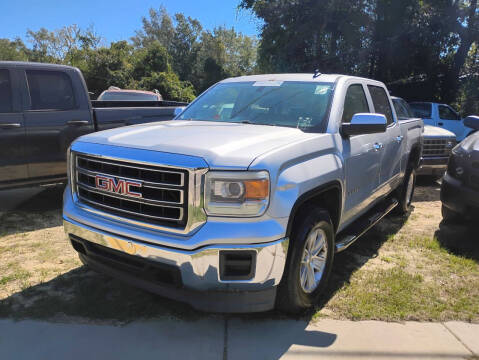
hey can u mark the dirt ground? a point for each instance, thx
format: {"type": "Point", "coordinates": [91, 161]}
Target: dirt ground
{"type": "Point", "coordinates": [415, 267]}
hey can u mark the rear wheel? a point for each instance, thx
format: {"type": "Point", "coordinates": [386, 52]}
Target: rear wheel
{"type": "Point", "coordinates": [406, 192]}
{"type": "Point", "coordinates": [309, 261]}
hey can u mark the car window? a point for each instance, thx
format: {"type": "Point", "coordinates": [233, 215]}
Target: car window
{"type": "Point", "coordinates": [5, 92]}
{"type": "Point", "coordinates": [401, 110]}
{"type": "Point", "coordinates": [124, 95]}
{"type": "Point", "coordinates": [355, 102]}
{"type": "Point", "coordinates": [422, 110]}
{"type": "Point", "coordinates": [296, 104]}
{"type": "Point", "coordinates": [50, 90]}
{"type": "Point", "coordinates": [446, 113]}
{"type": "Point", "coordinates": [381, 102]}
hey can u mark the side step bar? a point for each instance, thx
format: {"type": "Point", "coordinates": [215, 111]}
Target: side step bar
{"type": "Point", "coordinates": [348, 236]}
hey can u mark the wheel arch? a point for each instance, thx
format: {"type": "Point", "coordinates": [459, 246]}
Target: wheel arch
{"type": "Point", "coordinates": [329, 194]}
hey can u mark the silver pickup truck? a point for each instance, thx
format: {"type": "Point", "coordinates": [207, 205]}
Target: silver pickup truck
{"type": "Point", "coordinates": [242, 201]}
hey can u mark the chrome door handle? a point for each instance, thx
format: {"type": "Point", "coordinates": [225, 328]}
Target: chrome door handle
{"type": "Point", "coordinates": [399, 138]}
{"type": "Point", "coordinates": [77, 122]}
{"type": "Point", "coordinates": [10, 126]}
{"type": "Point", "coordinates": [377, 146]}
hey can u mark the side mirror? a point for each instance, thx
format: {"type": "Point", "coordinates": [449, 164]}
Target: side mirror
{"type": "Point", "coordinates": [365, 124]}
{"type": "Point", "coordinates": [472, 122]}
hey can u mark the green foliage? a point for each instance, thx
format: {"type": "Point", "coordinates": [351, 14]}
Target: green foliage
{"type": "Point", "coordinates": [172, 55]}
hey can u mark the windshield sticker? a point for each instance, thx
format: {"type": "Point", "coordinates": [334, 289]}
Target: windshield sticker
{"type": "Point", "coordinates": [321, 89]}
{"type": "Point", "coordinates": [268, 83]}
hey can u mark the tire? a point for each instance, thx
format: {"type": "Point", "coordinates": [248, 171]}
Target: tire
{"type": "Point", "coordinates": [295, 292]}
{"type": "Point", "coordinates": [405, 192]}
{"type": "Point", "coordinates": [449, 215]}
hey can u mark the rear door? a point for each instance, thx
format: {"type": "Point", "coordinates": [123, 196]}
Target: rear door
{"type": "Point", "coordinates": [13, 164]}
{"type": "Point", "coordinates": [362, 158]}
{"type": "Point", "coordinates": [450, 120]}
{"type": "Point", "coordinates": [57, 114]}
{"type": "Point", "coordinates": [391, 140]}
{"type": "Point", "coordinates": [424, 111]}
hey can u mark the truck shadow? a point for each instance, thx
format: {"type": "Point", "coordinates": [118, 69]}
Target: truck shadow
{"type": "Point", "coordinates": [30, 209]}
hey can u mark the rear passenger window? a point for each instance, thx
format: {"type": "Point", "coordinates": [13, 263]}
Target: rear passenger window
{"type": "Point", "coordinates": [354, 103]}
{"type": "Point", "coordinates": [422, 110]}
{"type": "Point", "coordinates": [5, 92]}
{"type": "Point", "coordinates": [50, 90]}
{"type": "Point", "coordinates": [381, 102]}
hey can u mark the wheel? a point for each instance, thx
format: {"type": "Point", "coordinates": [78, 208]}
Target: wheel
{"type": "Point", "coordinates": [448, 214]}
{"type": "Point", "coordinates": [406, 191]}
{"type": "Point", "coordinates": [309, 262]}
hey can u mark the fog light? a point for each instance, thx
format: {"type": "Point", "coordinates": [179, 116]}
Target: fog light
{"type": "Point", "coordinates": [459, 171]}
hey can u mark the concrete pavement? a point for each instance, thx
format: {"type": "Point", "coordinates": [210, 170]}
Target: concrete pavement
{"type": "Point", "coordinates": [238, 338]}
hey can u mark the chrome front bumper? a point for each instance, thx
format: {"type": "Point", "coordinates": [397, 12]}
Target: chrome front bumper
{"type": "Point", "coordinates": [200, 268]}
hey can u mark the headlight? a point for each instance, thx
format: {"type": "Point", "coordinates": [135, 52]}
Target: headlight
{"type": "Point", "coordinates": [238, 193]}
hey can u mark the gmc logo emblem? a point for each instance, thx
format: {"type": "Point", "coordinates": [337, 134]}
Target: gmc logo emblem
{"type": "Point", "coordinates": [117, 185]}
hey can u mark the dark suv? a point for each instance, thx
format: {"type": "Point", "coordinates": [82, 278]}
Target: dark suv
{"type": "Point", "coordinates": [460, 186]}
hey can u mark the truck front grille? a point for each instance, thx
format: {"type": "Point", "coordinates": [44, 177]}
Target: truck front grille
{"type": "Point", "coordinates": [145, 193]}
{"type": "Point", "coordinates": [437, 147]}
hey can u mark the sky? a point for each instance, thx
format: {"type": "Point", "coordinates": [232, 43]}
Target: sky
{"type": "Point", "coordinates": [115, 19]}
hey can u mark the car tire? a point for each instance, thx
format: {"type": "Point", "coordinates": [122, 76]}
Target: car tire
{"type": "Point", "coordinates": [448, 214]}
{"type": "Point", "coordinates": [297, 290]}
{"type": "Point", "coordinates": [405, 192]}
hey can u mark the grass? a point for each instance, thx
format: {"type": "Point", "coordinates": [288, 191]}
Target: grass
{"type": "Point", "coordinates": [403, 269]}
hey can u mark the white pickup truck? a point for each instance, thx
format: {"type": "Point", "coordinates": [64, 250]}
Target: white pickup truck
{"type": "Point", "coordinates": [242, 201]}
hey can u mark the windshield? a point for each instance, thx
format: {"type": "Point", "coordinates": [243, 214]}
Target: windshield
{"type": "Point", "coordinates": [301, 105]}
{"type": "Point", "coordinates": [124, 95]}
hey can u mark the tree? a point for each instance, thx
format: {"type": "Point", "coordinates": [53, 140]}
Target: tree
{"type": "Point", "coordinates": [13, 50]}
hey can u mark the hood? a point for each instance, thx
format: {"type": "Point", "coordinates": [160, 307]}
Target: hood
{"type": "Point", "coordinates": [221, 145]}
{"type": "Point", "coordinates": [471, 143]}
{"type": "Point", "coordinates": [435, 131]}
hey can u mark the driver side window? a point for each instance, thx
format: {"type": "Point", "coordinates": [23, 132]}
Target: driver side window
{"type": "Point", "coordinates": [354, 102]}
{"type": "Point", "coordinates": [446, 113]}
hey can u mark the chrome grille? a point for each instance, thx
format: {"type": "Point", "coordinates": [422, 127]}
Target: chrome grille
{"type": "Point", "coordinates": [436, 147]}
{"type": "Point", "coordinates": [161, 194]}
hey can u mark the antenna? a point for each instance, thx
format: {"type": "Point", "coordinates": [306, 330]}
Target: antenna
{"type": "Point", "coordinates": [316, 73]}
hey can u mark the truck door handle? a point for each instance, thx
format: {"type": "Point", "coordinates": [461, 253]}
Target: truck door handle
{"type": "Point", "coordinates": [399, 138]}
{"type": "Point", "coordinates": [10, 126]}
{"type": "Point", "coordinates": [377, 146]}
{"type": "Point", "coordinates": [440, 123]}
{"type": "Point", "coordinates": [77, 122]}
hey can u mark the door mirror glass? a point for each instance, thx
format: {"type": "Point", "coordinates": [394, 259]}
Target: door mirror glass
{"type": "Point", "coordinates": [472, 122]}
{"type": "Point", "coordinates": [365, 124]}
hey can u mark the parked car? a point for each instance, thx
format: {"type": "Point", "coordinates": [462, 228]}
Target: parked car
{"type": "Point", "coordinates": [115, 93]}
{"type": "Point", "coordinates": [442, 115]}
{"type": "Point", "coordinates": [43, 108]}
{"type": "Point", "coordinates": [460, 185]}
{"type": "Point", "coordinates": [438, 143]}
{"type": "Point", "coordinates": [233, 211]}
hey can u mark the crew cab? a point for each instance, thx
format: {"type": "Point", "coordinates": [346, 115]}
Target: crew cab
{"type": "Point", "coordinates": [437, 143]}
{"type": "Point", "coordinates": [43, 108]}
{"type": "Point", "coordinates": [460, 185]}
{"type": "Point", "coordinates": [442, 115]}
{"type": "Point", "coordinates": [242, 201]}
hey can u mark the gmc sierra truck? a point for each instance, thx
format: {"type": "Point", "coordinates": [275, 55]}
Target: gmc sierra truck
{"type": "Point", "coordinates": [242, 201]}
{"type": "Point", "coordinates": [43, 108]}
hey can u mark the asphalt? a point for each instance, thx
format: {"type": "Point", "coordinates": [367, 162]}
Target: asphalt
{"type": "Point", "coordinates": [238, 338]}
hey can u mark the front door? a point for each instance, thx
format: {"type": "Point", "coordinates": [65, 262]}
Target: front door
{"type": "Point", "coordinates": [13, 164]}
{"type": "Point", "coordinates": [54, 120]}
{"type": "Point", "coordinates": [450, 120]}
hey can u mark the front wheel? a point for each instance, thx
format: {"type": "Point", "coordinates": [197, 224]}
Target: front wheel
{"type": "Point", "coordinates": [309, 261]}
{"type": "Point", "coordinates": [449, 215]}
